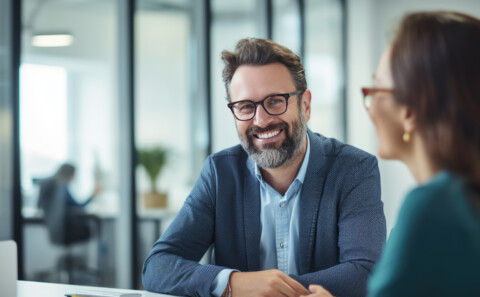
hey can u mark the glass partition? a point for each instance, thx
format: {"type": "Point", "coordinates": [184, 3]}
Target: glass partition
{"type": "Point", "coordinates": [71, 106]}
{"type": "Point", "coordinates": [324, 64]}
{"type": "Point", "coordinates": [6, 122]}
{"type": "Point", "coordinates": [167, 122]}
{"type": "Point", "coordinates": [232, 20]}
{"type": "Point", "coordinates": [69, 116]}
{"type": "Point", "coordinates": [286, 24]}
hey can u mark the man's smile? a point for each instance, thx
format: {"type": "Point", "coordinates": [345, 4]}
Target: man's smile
{"type": "Point", "coordinates": [268, 134]}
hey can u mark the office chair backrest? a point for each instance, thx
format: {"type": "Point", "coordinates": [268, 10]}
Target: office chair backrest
{"type": "Point", "coordinates": [52, 201]}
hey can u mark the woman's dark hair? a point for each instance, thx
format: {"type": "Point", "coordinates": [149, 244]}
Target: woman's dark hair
{"type": "Point", "coordinates": [435, 62]}
{"type": "Point", "coordinates": [256, 51]}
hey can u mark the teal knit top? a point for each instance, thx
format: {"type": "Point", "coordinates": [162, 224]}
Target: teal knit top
{"type": "Point", "coordinates": [434, 249]}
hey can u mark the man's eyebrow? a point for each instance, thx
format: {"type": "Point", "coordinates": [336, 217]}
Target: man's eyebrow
{"type": "Point", "coordinates": [256, 100]}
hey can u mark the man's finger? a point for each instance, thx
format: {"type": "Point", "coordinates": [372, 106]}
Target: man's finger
{"type": "Point", "coordinates": [297, 287]}
{"type": "Point", "coordinates": [319, 291]}
{"type": "Point", "coordinates": [283, 287]}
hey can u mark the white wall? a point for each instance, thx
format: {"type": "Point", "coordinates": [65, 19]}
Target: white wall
{"type": "Point", "coordinates": [370, 27]}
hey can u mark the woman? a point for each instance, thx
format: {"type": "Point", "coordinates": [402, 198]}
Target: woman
{"type": "Point", "coordinates": [425, 106]}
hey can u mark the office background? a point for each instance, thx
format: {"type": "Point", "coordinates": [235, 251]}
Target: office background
{"type": "Point", "coordinates": [147, 74]}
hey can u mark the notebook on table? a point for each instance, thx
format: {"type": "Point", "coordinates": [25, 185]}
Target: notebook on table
{"type": "Point", "coordinates": [8, 268]}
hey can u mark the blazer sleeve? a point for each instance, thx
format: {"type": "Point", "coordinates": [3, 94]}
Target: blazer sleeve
{"type": "Point", "coordinates": [172, 265]}
{"type": "Point", "coordinates": [361, 232]}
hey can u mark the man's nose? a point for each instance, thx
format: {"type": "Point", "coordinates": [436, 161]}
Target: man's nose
{"type": "Point", "coordinates": [262, 118]}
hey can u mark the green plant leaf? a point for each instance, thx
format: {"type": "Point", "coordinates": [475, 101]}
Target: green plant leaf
{"type": "Point", "coordinates": [153, 160]}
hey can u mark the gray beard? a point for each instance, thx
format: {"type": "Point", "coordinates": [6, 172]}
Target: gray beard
{"type": "Point", "coordinates": [269, 156]}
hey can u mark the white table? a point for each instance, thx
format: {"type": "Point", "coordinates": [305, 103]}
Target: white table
{"type": "Point", "coordinates": [37, 289]}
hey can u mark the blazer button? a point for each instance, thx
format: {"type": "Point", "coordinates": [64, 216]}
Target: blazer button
{"type": "Point", "coordinates": [282, 245]}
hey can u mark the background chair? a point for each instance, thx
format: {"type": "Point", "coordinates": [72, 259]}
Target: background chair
{"type": "Point", "coordinates": [67, 227]}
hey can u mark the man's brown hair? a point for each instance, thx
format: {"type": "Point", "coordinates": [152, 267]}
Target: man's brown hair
{"type": "Point", "coordinates": [256, 51]}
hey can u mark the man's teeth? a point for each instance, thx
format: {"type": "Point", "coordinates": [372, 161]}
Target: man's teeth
{"type": "Point", "coordinates": [268, 135]}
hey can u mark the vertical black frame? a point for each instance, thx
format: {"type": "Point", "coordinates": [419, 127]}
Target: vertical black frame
{"type": "Point", "coordinates": [269, 18]}
{"type": "Point", "coordinates": [16, 187]}
{"type": "Point", "coordinates": [343, 4]}
{"type": "Point", "coordinates": [301, 11]}
{"type": "Point", "coordinates": [207, 10]}
{"type": "Point", "coordinates": [130, 77]}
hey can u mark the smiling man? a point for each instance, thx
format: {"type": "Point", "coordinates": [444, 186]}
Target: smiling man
{"type": "Point", "coordinates": [285, 209]}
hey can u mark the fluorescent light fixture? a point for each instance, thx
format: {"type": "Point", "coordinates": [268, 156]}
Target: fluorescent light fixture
{"type": "Point", "coordinates": [52, 40]}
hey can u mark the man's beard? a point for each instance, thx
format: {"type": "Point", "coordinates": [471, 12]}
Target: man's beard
{"type": "Point", "coordinates": [269, 156]}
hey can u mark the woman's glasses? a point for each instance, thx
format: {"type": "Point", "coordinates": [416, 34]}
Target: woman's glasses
{"type": "Point", "coordinates": [368, 95]}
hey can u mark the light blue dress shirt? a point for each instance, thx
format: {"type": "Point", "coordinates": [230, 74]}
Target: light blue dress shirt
{"type": "Point", "coordinates": [280, 227]}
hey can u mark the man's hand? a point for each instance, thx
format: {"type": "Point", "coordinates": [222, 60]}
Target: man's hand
{"type": "Point", "coordinates": [265, 284]}
{"type": "Point", "coordinates": [318, 291]}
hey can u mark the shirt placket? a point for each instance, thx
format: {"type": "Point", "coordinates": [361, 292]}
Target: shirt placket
{"type": "Point", "coordinates": [281, 232]}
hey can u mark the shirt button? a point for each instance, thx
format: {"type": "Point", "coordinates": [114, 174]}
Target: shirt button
{"type": "Point", "coordinates": [282, 204]}
{"type": "Point", "coordinates": [282, 245]}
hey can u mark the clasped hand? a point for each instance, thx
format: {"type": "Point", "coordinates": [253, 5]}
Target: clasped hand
{"type": "Point", "coordinates": [266, 283]}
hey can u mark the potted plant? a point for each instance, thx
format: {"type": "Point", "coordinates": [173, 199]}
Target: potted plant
{"type": "Point", "coordinates": [153, 160]}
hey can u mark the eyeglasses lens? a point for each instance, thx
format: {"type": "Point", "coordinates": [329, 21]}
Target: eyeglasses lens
{"type": "Point", "coordinates": [275, 105]}
{"type": "Point", "coordinates": [367, 100]}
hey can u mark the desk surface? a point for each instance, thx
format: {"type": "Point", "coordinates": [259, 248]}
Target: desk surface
{"type": "Point", "coordinates": [36, 289]}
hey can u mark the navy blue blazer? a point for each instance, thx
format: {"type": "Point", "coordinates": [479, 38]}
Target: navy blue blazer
{"type": "Point", "coordinates": [341, 217]}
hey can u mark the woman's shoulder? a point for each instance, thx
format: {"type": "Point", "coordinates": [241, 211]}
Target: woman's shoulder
{"type": "Point", "coordinates": [442, 190]}
{"type": "Point", "coordinates": [442, 209]}
{"type": "Point", "coordinates": [439, 207]}
{"type": "Point", "coordinates": [435, 242]}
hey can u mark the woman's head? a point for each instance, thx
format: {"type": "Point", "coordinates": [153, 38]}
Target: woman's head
{"type": "Point", "coordinates": [434, 64]}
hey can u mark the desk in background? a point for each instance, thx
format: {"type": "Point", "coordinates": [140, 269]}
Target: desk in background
{"type": "Point", "coordinates": [98, 250]}
{"type": "Point", "coordinates": [155, 216]}
{"type": "Point", "coordinates": [150, 223]}
{"type": "Point", "coordinates": [36, 289]}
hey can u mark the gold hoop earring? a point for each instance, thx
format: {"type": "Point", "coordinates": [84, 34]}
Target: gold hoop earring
{"type": "Point", "coordinates": [406, 137]}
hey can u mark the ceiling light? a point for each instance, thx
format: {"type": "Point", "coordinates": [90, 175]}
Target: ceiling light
{"type": "Point", "coordinates": [52, 40]}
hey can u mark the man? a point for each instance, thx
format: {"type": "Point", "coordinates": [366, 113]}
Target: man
{"type": "Point", "coordinates": [285, 209]}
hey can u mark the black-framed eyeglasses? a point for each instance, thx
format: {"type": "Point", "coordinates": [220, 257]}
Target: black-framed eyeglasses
{"type": "Point", "coordinates": [276, 104]}
{"type": "Point", "coordinates": [368, 94]}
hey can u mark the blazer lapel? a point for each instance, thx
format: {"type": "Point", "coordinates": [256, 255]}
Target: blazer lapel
{"type": "Point", "coordinates": [251, 215]}
{"type": "Point", "coordinates": [310, 201]}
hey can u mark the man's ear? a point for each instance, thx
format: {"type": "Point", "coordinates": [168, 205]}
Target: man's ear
{"type": "Point", "coordinates": [409, 119]}
{"type": "Point", "coordinates": [306, 104]}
